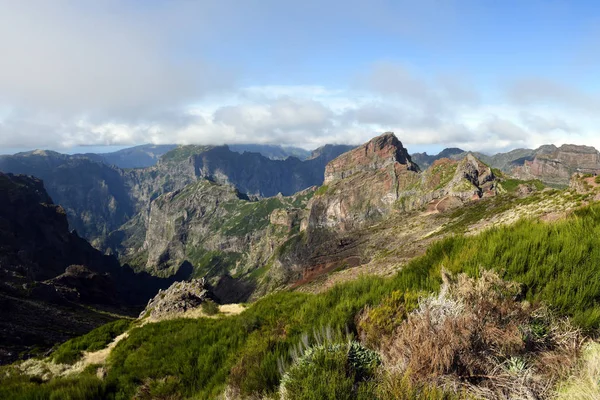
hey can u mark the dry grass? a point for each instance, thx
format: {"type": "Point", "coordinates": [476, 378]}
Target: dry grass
{"type": "Point", "coordinates": [585, 382]}
{"type": "Point", "coordinates": [476, 336]}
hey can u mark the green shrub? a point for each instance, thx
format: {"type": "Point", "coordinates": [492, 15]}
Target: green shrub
{"type": "Point", "coordinates": [332, 371]}
{"type": "Point", "coordinates": [82, 387]}
{"type": "Point", "coordinates": [597, 179]}
{"type": "Point", "coordinates": [72, 350]}
{"type": "Point", "coordinates": [209, 307]}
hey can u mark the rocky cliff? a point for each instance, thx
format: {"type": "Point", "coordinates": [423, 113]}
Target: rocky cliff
{"type": "Point", "coordinates": [213, 229]}
{"type": "Point", "coordinates": [556, 167]}
{"type": "Point", "coordinates": [369, 182]}
{"type": "Point", "coordinates": [94, 196]}
{"type": "Point", "coordinates": [47, 273]}
{"type": "Point", "coordinates": [366, 188]}
{"type": "Point", "coordinates": [99, 198]}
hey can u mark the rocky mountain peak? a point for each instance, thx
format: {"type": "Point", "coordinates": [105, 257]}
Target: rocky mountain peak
{"type": "Point", "coordinates": [380, 152]}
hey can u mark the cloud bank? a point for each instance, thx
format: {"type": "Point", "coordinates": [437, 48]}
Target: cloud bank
{"type": "Point", "coordinates": [115, 73]}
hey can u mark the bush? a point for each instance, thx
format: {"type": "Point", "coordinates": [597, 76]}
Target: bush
{"type": "Point", "coordinates": [332, 371]}
{"type": "Point", "coordinates": [475, 334]}
{"type": "Point", "coordinates": [209, 307]}
{"type": "Point", "coordinates": [597, 179]}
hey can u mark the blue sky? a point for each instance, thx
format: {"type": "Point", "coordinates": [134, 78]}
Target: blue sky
{"type": "Point", "coordinates": [481, 75]}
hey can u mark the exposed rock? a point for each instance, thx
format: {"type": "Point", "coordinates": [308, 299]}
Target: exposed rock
{"type": "Point", "coordinates": [366, 187]}
{"type": "Point", "coordinates": [363, 184]}
{"type": "Point", "coordinates": [379, 153]}
{"type": "Point", "coordinates": [425, 160]}
{"type": "Point", "coordinates": [46, 272]}
{"type": "Point", "coordinates": [557, 167]}
{"type": "Point", "coordinates": [177, 299]}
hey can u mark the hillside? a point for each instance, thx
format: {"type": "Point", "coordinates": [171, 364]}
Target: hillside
{"type": "Point", "coordinates": [387, 281]}
{"type": "Point", "coordinates": [48, 274]}
{"type": "Point", "coordinates": [292, 342]}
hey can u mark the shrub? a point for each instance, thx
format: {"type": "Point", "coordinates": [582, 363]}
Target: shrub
{"type": "Point", "coordinates": [332, 371]}
{"type": "Point", "coordinates": [597, 179]}
{"type": "Point", "coordinates": [209, 307]}
{"type": "Point", "coordinates": [477, 335]}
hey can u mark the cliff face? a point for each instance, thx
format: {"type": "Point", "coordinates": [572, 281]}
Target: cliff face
{"type": "Point", "coordinates": [365, 189]}
{"type": "Point", "coordinates": [93, 195]}
{"type": "Point", "coordinates": [379, 177]}
{"type": "Point", "coordinates": [47, 272]}
{"type": "Point", "coordinates": [558, 166]}
{"type": "Point", "coordinates": [363, 184]}
{"type": "Point", "coordinates": [214, 230]}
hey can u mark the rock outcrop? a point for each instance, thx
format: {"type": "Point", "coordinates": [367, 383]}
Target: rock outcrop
{"type": "Point", "coordinates": [369, 182]}
{"type": "Point", "coordinates": [557, 167]}
{"type": "Point", "coordinates": [177, 299]}
{"type": "Point", "coordinates": [363, 184]}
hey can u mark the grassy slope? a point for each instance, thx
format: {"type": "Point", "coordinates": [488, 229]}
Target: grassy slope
{"type": "Point", "coordinates": [557, 263]}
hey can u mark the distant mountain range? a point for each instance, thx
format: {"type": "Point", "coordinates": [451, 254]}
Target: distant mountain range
{"type": "Point", "coordinates": [147, 155]}
{"type": "Point", "coordinates": [99, 197]}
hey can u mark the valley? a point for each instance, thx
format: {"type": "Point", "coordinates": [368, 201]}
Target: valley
{"type": "Point", "coordinates": [213, 273]}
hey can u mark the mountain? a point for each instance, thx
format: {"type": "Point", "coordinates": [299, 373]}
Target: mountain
{"type": "Point", "coordinates": [424, 160]}
{"type": "Point", "coordinates": [273, 152]}
{"type": "Point", "coordinates": [94, 195]}
{"type": "Point", "coordinates": [99, 198]}
{"type": "Point", "coordinates": [440, 291]}
{"type": "Point", "coordinates": [257, 245]}
{"type": "Point", "coordinates": [48, 273]}
{"type": "Point", "coordinates": [555, 166]}
{"type": "Point", "coordinates": [252, 173]}
{"type": "Point", "coordinates": [133, 157]}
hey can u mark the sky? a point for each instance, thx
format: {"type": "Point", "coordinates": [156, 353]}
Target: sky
{"type": "Point", "coordinates": [480, 75]}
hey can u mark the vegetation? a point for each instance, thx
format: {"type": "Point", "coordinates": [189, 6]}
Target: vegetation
{"type": "Point", "coordinates": [555, 264]}
{"type": "Point", "coordinates": [332, 371]}
{"type": "Point", "coordinates": [249, 217]}
{"type": "Point", "coordinates": [209, 307]}
{"type": "Point", "coordinates": [322, 190]}
{"type": "Point", "coordinates": [182, 153]}
{"type": "Point", "coordinates": [585, 383]}
{"type": "Point", "coordinates": [511, 185]}
{"type": "Point", "coordinates": [72, 350]}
